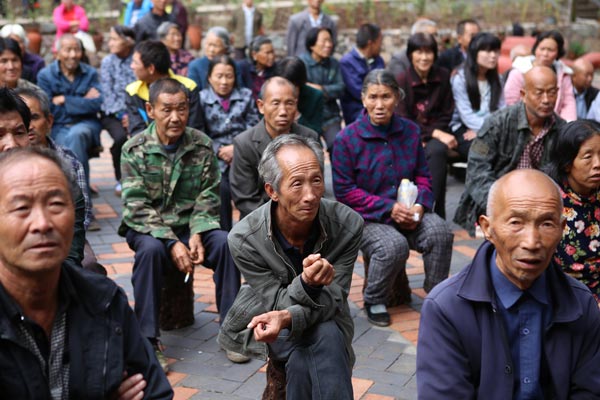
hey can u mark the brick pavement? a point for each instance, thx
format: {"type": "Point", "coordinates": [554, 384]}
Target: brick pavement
{"type": "Point", "coordinates": [385, 366]}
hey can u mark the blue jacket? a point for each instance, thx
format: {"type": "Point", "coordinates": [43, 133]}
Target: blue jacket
{"type": "Point", "coordinates": [462, 348]}
{"type": "Point", "coordinates": [354, 68]}
{"type": "Point", "coordinates": [144, 9]}
{"type": "Point", "coordinates": [76, 108]}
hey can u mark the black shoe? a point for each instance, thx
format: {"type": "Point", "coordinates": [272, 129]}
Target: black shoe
{"type": "Point", "coordinates": [379, 318]}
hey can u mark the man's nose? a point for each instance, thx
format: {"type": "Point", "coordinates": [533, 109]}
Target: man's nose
{"type": "Point", "coordinates": [41, 222]}
{"type": "Point", "coordinates": [531, 238]}
{"type": "Point", "coordinates": [8, 142]}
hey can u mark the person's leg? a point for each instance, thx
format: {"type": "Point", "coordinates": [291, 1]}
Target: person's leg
{"type": "Point", "coordinates": [433, 238]}
{"type": "Point", "coordinates": [227, 277]}
{"type": "Point", "coordinates": [318, 367]}
{"type": "Point", "coordinates": [115, 129]}
{"type": "Point", "coordinates": [329, 133]}
{"type": "Point", "coordinates": [387, 249]}
{"type": "Point", "coordinates": [437, 159]}
{"type": "Point", "coordinates": [226, 210]}
{"type": "Point", "coordinates": [151, 258]}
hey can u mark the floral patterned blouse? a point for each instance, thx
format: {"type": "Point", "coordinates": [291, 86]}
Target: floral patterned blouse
{"type": "Point", "coordinates": [578, 252]}
{"type": "Point", "coordinates": [180, 61]}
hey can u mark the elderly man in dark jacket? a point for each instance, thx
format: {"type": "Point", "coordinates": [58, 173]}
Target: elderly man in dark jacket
{"type": "Point", "coordinates": [512, 325]}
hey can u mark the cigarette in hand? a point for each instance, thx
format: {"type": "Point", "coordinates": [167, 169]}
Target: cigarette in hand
{"type": "Point", "coordinates": [187, 278]}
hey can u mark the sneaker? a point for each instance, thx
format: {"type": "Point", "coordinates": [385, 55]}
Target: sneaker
{"type": "Point", "coordinates": [118, 189]}
{"type": "Point", "coordinates": [160, 356]}
{"type": "Point", "coordinates": [237, 358]}
{"type": "Point", "coordinates": [377, 314]}
{"type": "Point", "coordinates": [93, 226]}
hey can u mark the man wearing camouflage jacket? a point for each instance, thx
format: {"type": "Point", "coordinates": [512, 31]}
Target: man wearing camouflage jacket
{"type": "Point", "coordinates": [171, 205]}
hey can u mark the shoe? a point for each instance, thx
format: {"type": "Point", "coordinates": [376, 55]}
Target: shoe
{"type": "Point", "coordinates": [377, 314]}
{"type": "Point", "coordinates": [93, 226]}
{"type": "Point", "coordinates": [237, 358]}
{"type": "Point", "coordinates": [118, 189]}
{"type": "Point", "coordinates": [160, 356]}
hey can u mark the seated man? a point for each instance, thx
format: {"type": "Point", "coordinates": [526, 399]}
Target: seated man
{"type": "Point", "coordinates": [512, 324]}
{"type": "Point", "coordinates": [278, 103]}
{"type": "Point", "coordinates": [297, 253]}
{"type": "Point", "coordinates": [171, 206]}
{"type": "Point", "coordinates": [57, 320]}
{"type": "Point", "coordinates": [150, 62]}
{"type": "Point", "coordinates": [518, 136]}
{"type": "Point", "coordinates": [74, 91]}
{"type": "Point", "coordinates": [16, 120]}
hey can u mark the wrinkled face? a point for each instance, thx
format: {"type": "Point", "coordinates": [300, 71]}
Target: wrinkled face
{"type": "Point", "coordinates": [13, 132]}
{"type": "Point", "coordinates": [265, 57]}
{"type": "Point", "coordinates": [323, 46]}
{"type": "Point", "coordinates": [301, 186]}
{"type": "Point", "coordinates": [539, 94]}
{"type": "Point", "coordinates": [279, 107]}
{"type": "Point", "coordinates": [170, 113]}
{"type": "Point", "coordinates": [213, 46]}
{"type": "Point", "coordinates": [117, 45]}
{"type": "Point", "coordinates": [582, 76]}
{"type": "Point", "coordinates": [139, 70]}
{"type": "Point", "coordinates": [69, 55]}
{"type": "Point", "coordinates": [464, 39]}
{"type": "Point", "coordinates": [546, 52]}
{"type": "Point", "coordinates": [525, 227]}
{"type": "Point", "coordinates": [422, 59]}
{"type": "Point", "coordinates": [40, 125]}
{"type": "Point", "coordinates": [380, 102]}
{"type": "Point", "coordinates": [173, 40]}
{"type": "Point", "coordinates": [487, 59]}
{"type": "Point", "coordinates": [36, 216]}
{"type": "Point", "coordinates": [222, 79]}
{"type": "Point", "coordinates": [10, 68]}
{"type": "Point", "coordinates": [584, 172]}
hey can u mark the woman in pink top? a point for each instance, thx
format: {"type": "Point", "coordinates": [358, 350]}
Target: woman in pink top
{"type": "Point", "coordinates": [69, 18]}
{"type": "Point", "coordinates": [547, 51]}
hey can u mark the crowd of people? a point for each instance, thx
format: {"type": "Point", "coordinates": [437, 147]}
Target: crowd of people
{"type": "Point", "coordinates": [195, 137]}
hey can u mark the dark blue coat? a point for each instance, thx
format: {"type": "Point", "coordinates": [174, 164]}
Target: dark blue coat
{"type": "Point", "coordinates": [463, 352]}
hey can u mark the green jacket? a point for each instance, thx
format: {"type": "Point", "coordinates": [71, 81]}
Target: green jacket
{"type": "Point", "coordinates": [270, 274]}
{"type": "Point", "coordinates": [161, 196]}
{"type": "Point", "coordinates": [495, 152]}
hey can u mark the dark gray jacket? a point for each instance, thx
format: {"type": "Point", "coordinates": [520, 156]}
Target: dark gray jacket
{"type": "Point", "coordinates": [270, 275]}
{"type": "Point", "coordinates": [496, 151]}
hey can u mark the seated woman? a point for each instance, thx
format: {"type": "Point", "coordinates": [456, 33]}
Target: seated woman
{"type": "Point", "coordinates": [12, 66]}
{"type": "Point", "coordinates": [324, 74]}
{"type": "Point", "coordinates": [115, 75]}
{"type": "Point", "coordinates": [547, 50]}
{"type": "Point", "coordinates": [476, 89]}
{"type": "Point", "coordinates": [32, 63]}
{"type": "Point", "coordinates": [256, 70]}
{"type": "Point", "coordinates": [371, 157]}
{"type": "Point", "coordinates": [575, 166]}
{"type": "Point", "coordinates": [69, 17]}
{"type": "Point", "coordinates": [169, 34]}
{"type": "Point", "coordinates": [228, 111]}
{"type": "Point", "coordinates": [428, 102]}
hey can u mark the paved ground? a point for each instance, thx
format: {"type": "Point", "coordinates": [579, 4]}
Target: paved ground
{"type": "Point", "coordinates": [385, 367]}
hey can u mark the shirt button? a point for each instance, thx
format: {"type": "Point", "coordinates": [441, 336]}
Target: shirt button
{"type": "Point", "coordinates": [507, 369]}
{"type": "Point", "coordinates": [526, 380]}
{"type": "Point", "coordinates": [525, 331]}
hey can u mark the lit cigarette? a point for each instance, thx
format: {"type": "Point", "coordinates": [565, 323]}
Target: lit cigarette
{"type": "Point", "coordinates": [187, 278]}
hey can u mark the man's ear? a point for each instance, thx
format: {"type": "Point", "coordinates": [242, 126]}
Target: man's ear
{"type": "Point", "coordinates": [484, 223]}
{"type": "Point", "coordinates": [149, 110]}
{"type": "Point", "coordinates": [522, 92]}
{"type": "Point", "coordinates": [271, 192]}
{"type": "Point", "coordinates": [260, 104]}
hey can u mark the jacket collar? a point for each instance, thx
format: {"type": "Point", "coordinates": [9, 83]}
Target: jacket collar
{"type": "Point", "coordinates": [213, 98]}
{"type": "Point", "coordinates": [432, 77]}
{"type": "Point", "coordinates": [153, 144]}
{"type": "Point", "coordinates": [55, 68]}
{"type": "Point", "coordinates": [523, 122]}
{"type": "Point", "coordinates": [477, 287]}
{"type": "Point", "coordinates": [367, 131]}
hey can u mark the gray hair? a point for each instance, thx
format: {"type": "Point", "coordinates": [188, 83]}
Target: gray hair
{"type": "Point", "coordinates": [164, 28]}
{"type": "Point", "coordinates": [16, 30]}
{"type": "Point", "coordinates": [382, 77]}
{"type": "Point", "coordinates": [269, 169]}
{"type": "Point", "coordinates": [258, 42]}
{"type": "Point", "coordinates": [277, 80]}
{"type": "Point", "coordinates": [37, 94]}
{"type": "Point", "coordinates": [421, 25]}
{"type": "Point", "coordinates": [222, 34]}
{"type": "Point", "coordinates": [66, 36]}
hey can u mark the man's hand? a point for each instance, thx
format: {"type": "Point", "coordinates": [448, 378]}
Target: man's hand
{"type": "Point", "coordinates": [315, 86]}
{"type": "Point", "coordinates": [125, 121]}
{"type": "Point", "coordinates": [404, 217]}
{"type": "Point", "coordinates": [268, 325]}
{"type": "Point", "coordinates": [469, 135]}
{"type": "Point", "coordinates": [226, 153]}
{"type": "Point", "coordinates": [317, 271]}
{"type": "Point", "coordinates": [131, 388]}
{"type": "Point", "coordinates": [447, 138]}
{"type": "Point", "coordinates": [58, 100]}
{"type": "Point", "coordinates": [196, 249]}
{"type": "Point", "coordinates": [93, 93]}
{"type": "Point", "coordinates": [181, 257]}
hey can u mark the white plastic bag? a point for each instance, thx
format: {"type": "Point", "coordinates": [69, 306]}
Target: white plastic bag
{"type": "Point", "coordinates": [407, 195]}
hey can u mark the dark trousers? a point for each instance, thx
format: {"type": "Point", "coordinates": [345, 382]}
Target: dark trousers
{"type": "Point", "coordinates": [226, 211]}
{"type": "Point", "coordinates": [316, 365]}
{"type": "Point", "coordinates": [463, 145]}
{"type": "Point", "coordinates": [437, 159]}
{"type": "Point", "coordinates": [152, 259]}
{"type": "Point", "coordinates": [115, 129]}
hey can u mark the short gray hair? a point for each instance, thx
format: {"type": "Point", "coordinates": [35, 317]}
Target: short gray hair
{"type": "Point", "coordinates": [382, 77]}
{"type": "Point", "coordinates": [222, 34]}
{"type": "Point", "coordinates": [269, 169]}
{"type": "Point", "coordinates": [36, 94]}
{"type": "Point", "coordinates": [421, 25]}
{"type": "Point", "coordinates": [66, 36]}
{"type": "Point", "coordinates": [164, 28]}
{"type": "Point", "coordinates": [279, 80]}
{"type": "Point", "coordinates": [16, 30]}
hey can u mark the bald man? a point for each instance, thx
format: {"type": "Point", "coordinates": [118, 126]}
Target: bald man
{"type": "Point", "coordinates": [512, 325]}
{"type": "Point", "coordinates": [515, 137]}
{"type": "Point", "coordinates": [585, 93]}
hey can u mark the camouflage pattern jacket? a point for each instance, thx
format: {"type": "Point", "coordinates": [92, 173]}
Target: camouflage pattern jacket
{"type": "Point", "coordinates": [161, 194]}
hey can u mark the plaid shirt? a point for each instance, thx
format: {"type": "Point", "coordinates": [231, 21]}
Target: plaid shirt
{"type": "Point", "coordinates": [532, 154]}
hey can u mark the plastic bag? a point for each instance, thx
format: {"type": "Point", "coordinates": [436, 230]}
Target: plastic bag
{"type": "Point", "coordinates": [407, 195]}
